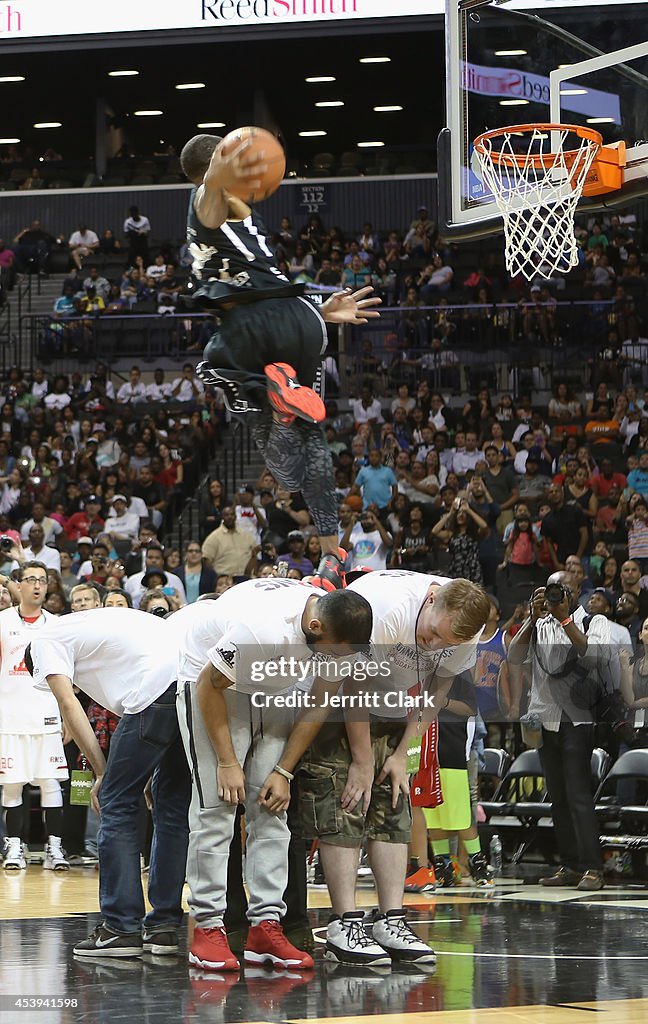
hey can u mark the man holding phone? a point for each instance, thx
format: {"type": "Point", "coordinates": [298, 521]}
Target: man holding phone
{"type": "Point", "coordinates": [568, 652]}
{"type": "Point", "coordinates": [368, 540]}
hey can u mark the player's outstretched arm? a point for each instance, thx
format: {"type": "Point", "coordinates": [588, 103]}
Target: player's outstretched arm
{"type": "Point", "coordinates": [225, 171]}
{"type": "Point", "coordinates": [349, 307]}
{"type": "Point", "coordinates": [79, 728]}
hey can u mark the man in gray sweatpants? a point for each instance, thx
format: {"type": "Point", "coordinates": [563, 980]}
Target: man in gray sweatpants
{"type": "Point", "coordinates": [242, 745]}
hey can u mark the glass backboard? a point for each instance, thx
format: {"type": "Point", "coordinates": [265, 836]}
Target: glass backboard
{"type": "Point", "coordinates": [500, 59]}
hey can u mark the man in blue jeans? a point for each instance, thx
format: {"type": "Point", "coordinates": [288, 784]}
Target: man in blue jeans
{"type": "Point", "coordinates": [126, 661]}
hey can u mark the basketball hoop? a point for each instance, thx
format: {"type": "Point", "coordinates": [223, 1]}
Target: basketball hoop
{"type": "Point", "coordinates": [537, 183]}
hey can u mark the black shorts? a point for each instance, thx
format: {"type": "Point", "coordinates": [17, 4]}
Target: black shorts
{"type": "Point", "coordinates": [288, 330]}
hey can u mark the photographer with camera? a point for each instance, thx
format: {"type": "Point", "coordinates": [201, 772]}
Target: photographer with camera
{"type": "Point", "coordinates": [573, 662]}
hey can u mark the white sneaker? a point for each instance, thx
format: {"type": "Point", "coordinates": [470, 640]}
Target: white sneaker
{"type": "Point", "coordinates": [14, 859]}
{"type": "Point", "coordinates": [347, 942]}
{"type": "Point", "coordinates": [54, 856]}
{"type": "Point", "coordinates": [393, 933]}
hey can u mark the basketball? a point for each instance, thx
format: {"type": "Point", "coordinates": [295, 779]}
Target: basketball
{"type": "Point", "coordinates": [273, 155]}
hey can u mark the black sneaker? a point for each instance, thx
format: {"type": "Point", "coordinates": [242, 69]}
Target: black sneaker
{"type": "Point", "coordinates": [105, 942]}
{"type": "Point", "coordinates": [85, 859]}
{"type": "Point", "coordinates": [162, 943]}
{"type": "Point", "coordinates": [301, 936]}
{"type": "Point", "coordinates": [231, 391]}
{"type": "Point", "coordinates": [480, 871]}
{"type": "Point", "coordinates": [237, 939]}
{"type": "Point", "coordinates": [444, 871]}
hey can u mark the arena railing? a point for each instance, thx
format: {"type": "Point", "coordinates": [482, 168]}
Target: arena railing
{"type": "Point", "coordinates": [62, 343]}
{"type": "Point", "coordinates": [457, 347]}
{"type": "Point", "coordinates": [229, 466]}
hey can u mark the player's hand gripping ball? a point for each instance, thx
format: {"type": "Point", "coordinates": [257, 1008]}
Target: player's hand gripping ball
{"type": "Point", "coordinates": [270, 152]}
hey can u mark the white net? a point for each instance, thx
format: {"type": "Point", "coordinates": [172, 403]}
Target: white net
{"type": "Point", "coordinates": [537, 185]}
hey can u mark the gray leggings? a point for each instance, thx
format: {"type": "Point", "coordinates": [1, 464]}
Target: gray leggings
{"type": "Point", "coordinates": [299, 459]}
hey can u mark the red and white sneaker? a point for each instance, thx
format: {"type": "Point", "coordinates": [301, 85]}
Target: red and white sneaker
{"type": "Point", "coordinates": [330, 572]}
{"type": "Point", "coordinates": [290, 398]}
{"type": "Point", "coordinates": [266, 943]}
{"type": "Point", "coordinates": [210, 950]}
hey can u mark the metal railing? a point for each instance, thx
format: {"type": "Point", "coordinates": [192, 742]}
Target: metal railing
{"type": "Point", "coordinates": [65, 341]}
{"type": "Point", "coordinates": [229, 467]}
{"type": "Point", "coordinates": [459, 346]}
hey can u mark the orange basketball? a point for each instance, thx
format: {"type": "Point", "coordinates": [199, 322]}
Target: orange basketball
{"type": "Point", "coordinates": [273, 155]}
{"type": "Point", "coordinates": [354, 501]}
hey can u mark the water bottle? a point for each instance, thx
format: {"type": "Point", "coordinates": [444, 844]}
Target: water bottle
{"type": "Point", "coordinates": [495, 855]}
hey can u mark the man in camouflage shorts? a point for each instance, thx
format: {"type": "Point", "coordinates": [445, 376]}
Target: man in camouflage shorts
{"type": "Point", "coordinates": [353, 778]}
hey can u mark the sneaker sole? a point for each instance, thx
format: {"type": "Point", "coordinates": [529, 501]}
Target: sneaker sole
{"type": "Point", "coordinates": [300, 401]}
{"type": "Point", "coordinates": [418, 889]}
{"type": "Point", "coordinates": [156, 950]}
{"type": "Point", "coordinates": [372, 961]}
{"type": "Point", "coordinates": [249, 957]}
{"type": "Point", "coordinates": [122, 951]}
{"type": "Point", "coordinates": [403, 958]}
{"type": "Point", "coordinates": [213, 965]}
{"type": "Point", "coordinates": [15, 867]}
{"type": "Point", "coordinates": [56, 867]}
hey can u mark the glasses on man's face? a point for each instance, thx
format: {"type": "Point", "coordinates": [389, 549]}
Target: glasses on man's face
{"type": "Point", "coordinates": [34, 581]}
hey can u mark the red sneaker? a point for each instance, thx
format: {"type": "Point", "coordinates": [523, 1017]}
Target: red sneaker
{"type": "Point", "coordinates": [267, 942]}
{"type": "Point", "coordinates": [210, 950]}
{"type": "Point", "coordinates": [330, 572]}
{"type": "Point", "coordinates": [289, 397]}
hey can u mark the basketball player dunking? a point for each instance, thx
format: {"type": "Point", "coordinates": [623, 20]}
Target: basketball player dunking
{"type": "Point", "coordinates": [267, 352]}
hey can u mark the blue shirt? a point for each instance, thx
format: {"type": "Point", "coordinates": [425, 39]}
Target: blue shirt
{"type": "Point", "coordinates": [376, 484]}
{"type": "Point", "coordinates": [638, 480]}
{"type": "Point", "coordinates": [192, 586]}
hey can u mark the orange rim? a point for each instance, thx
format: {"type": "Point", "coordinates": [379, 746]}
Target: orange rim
{"type": "Point", "coordinates": [546, 161]}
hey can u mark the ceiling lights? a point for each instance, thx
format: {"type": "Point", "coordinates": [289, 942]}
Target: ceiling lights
{"type": "Point", "coordinates": [191, 85]}
{"type": "Point", "coordinates": [387, 109]}
{"type": "Point", "coordinates": [210, 124]}
{"type": "Point", "coordinates": [316, 79]}
{"type": "Point", "coordinates": [48, 124]}
{"type": "Point", "coordinates": [330, 103]}
{"type": "Point", "coordinates": [12, 78]}
{"type": "Point", "coordinates": [511, 53]}
{"type": "Point", "coordinates": [375, 60]}
{"type": "Point", "coordinates": [122, 74]}
{"type": "Point", "coordinates": [311, 135]}
{"type": "Point", "coordinates": [370, 145]}
{"type": "Point", "coordinates": [147, 113]}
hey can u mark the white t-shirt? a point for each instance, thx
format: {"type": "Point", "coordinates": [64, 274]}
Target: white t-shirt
{"type": "Point", "coordinates": [368, 548]}
{"type": "Point", "coordinates": [24, 710]}
{"type": "Point", "coordinates": [246, 520]}
{"type": "Point", "coordinates": [50, 557]}
{"type": "Point", "coordinates": [396, 597]}
{"type": "Point", "coordinates": [252, 627]}
{"type": "Point", "coordinates": [56, 402]}
{"type": "Point", "coordinates": [122, 658]}
{"type": "Point", "coordinates": [134, 586]}
{"type": "Point", "coordinates": [85, 238]}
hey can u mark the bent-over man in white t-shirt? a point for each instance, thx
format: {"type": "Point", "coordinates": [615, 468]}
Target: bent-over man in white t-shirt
{"type": "Point", "coordinates": [237, 718]}
{"type": "Point", "coordinates": [126, 661]}
{"type": "Point", "coordinates": [425, 631]}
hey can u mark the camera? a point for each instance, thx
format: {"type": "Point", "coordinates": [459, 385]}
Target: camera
{"type": "Point", "coordinates": [160, 611]}
{"type": "Point", "coordinates": [555, 593]}
{"type": "Point", "coordinates": [6, 543]}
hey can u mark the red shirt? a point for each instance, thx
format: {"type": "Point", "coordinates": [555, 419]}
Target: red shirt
{"type": "Point", "coordinates": [601, 485]}
{"type": "Point", "coordinates": [78, 525]}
